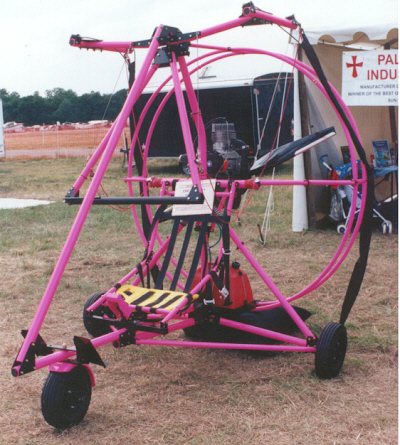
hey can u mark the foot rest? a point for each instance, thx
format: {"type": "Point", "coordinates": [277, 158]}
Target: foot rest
{"type": "Point", "coordinates": [153, 298]}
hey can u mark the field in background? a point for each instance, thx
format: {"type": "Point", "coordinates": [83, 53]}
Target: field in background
{"type": "Point", "coordinates": [175, 396]}
{"type": "Point", "coordinates": [58, 140]}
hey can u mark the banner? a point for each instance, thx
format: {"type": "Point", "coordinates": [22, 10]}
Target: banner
{"type": "Point", "coordinates": [370, 78]}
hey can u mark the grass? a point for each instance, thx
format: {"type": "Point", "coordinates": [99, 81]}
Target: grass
{"type": "Point", "coordinates": [158, 395]}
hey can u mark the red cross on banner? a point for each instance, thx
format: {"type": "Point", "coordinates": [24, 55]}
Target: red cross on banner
{"type": "Point", "coordinates": [354, 65]}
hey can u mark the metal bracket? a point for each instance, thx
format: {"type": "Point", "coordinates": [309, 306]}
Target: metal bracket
{"type": "Point", "coordinates": [126, 338]}
{"type": "Point", "coordinates": [195, 195]}
{"type": "Point", "coordinates": [141, 43]}
{"type": "Point", "coordinates": [36, 349]}
{"type": "Point", "coordinates": [163, 57]}
{"type": "Point", "coordinates": [248, 7]}
{"type": "Point", "coordinates": [86, 353]}
{"type": "Point", "coordinates": [256, 21]}
{"type": "Point", "coordinates": [311, 341]}
{"type": "Point", "coordinates": [168, 35]}
{"type": "Point", "coordinates": [71, 193]}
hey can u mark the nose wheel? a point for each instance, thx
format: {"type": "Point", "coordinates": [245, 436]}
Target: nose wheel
{"type": "Point", "coordinates": [66, 397]}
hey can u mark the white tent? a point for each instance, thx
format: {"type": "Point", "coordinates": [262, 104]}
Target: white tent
{"type": "Point", "coordinates": [374, 122]}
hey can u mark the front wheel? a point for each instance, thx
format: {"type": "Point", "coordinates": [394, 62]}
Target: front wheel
{"type": "Point", "coordinates": [330, 351]}
{"type": "Point", "coordinates": [66, 397]}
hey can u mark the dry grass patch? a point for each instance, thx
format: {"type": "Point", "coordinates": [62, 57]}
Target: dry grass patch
{"type": "Point", "coordinates": [157, 395]}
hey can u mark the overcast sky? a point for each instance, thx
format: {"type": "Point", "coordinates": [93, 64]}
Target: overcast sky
{"type": "Point", "coordinates": [36, 56]}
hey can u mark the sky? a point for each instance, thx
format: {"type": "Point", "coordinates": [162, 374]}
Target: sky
{"type": "Point", "coordinates": [36, 56]}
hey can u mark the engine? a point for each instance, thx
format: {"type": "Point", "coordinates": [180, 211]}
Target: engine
{"type": "Point", "coordinates": [226, 155]}
{"type": "Point", "coordinates": [229, 156]}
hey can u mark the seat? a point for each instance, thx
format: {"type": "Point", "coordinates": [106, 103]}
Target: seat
{"type": "Point", "coordinates": [152, 298]}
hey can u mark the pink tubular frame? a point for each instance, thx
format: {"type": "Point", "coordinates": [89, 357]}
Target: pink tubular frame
{"type": "Point", "coordinates": [179, 317]}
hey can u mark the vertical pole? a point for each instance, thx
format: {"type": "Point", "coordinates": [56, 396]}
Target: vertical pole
{"type": "Point", "coordinates": [58, 142]}
{"type": "Point", "coordinates": [393, 130]}
{"type": "Point", "coordinates": [2, 146]}
{"type": "Point", "coordinates": [392, 119]}
{"type": "Point", "coordinates": [305, 130]}
{"type": "Point", "coordinates": [299, 215]}
{"type": "Point", "coordinates": [256, 93]}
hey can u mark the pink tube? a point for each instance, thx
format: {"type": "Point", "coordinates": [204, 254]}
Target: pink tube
{"type": "Point", "coordinates": [187, 136]}
{"type": "Point", "coordinates": [106, 149]}
{"type": "Point", "coordinates": [167, 97]}
{"type": "Point", "coordinates": [63, 355]}
{"type": "Point", "coordinates": [83, 211]}
{"type": "Point", "coordinates": [120, 47]}
{"type": "Point", "coordinates": [309, 72]}
{"type": "Point", "coordinates": [211, 345]}
{"type": "Point", "coordinates": [328, 271]}
{"type": "Point", "coordinates": [263, 332]}
{"type": "Point", "coordinates": [154, 95]}
{"type": "Point", "coordinates": [245, 18]}
{"type": "Point", "coordinates": [93, 160]}
{"type": "Point", "coordinates": [196, 113]}
{"type": "Point", "coordinates": [271, 285]}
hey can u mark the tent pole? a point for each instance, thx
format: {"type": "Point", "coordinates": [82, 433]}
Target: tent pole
{"type": "Point", "coordinates": [305, 130]}
{"type": "Point", "coordinates": [392, 115]}
{"type": "Point", "coordinates": [393, 130]}
{"type": "Point", "coordinates": [299, 215]}
{"type": "Point", "coordinates": [2, 146]}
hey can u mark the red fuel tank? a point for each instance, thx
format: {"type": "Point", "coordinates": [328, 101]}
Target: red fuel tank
{"type": "Point", "coordinates": [240, 292]}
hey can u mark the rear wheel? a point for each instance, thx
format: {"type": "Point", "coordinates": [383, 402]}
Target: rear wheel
{"type": "Point", "coordinates": [66, 397]}
{"type": "Point", "coordinates": [95, 326]}
{"type": "Point", "coordinates": [331, 350]}
{"type": "Point", "coordinates": [185, 169]}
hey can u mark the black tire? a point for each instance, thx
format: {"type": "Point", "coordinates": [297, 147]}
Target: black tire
{"type": "Point", "coordinates": [66, 397]}
{"type": "Point", "coordinates": [331, 350]}
{"type": "Point", "coordinates": [185, 169]}
{"type": "Point", "coordinates": [96, 327]}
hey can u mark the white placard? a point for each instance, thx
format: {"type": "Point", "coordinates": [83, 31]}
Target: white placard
{"type": "Point", "coordinates": [183, 188]}
{"type": "Point", "coordinates": [370, 78]}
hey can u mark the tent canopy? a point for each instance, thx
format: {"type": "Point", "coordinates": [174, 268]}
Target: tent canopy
{"type": "Point", "coordinates": [370, 38]}
{"type": "Point", "coordinates": [378, 32]}
{"type": "Point", "coordinates": [376, 29]}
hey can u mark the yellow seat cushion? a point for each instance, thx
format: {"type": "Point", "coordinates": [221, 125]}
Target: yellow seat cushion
{"type": "Point", "coordinates": [153, 298]}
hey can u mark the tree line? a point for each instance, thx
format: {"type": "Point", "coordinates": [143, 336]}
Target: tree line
{"type": "Point", "coordinates": [61, 105]}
